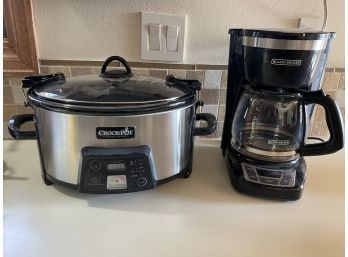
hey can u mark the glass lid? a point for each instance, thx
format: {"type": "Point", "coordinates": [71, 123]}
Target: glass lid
{"type": "Point", "coordinates": [112, 88]}
{"type": "Point", "coordinates": [98, 90]}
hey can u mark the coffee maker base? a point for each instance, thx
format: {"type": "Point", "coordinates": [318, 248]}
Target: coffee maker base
{"type": "Point", "coordinates": [283, 181]}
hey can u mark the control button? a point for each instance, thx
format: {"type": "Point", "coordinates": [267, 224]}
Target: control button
{"type": "Point", "coordinates": [287, 174]}
{"type": "Point", "coordinates": [140, 162]}
{"type": "Point", "coordinates": [286, 181]}
{"type": "Point", "coordinates": [95, 180]}
{"type": "Point", "coordinates": [141, 182]}
{"type": "Point", "coordinates": [116, 182]}
{"type": "Point", "coordinates": [141, 169]}
{"type": "Point", "coordinates": [249, 169]}
{"type": "Point", "coordinates": [253, 177]}
{"type": "Point", "coordinates": [134, 175]}
{"type": "Point", "coordinates": [251, 173]}
{"type": "Point", "coordinates": [132, 170]}
{"type": "Point", "coordinates": [270, 181]}
{"type": "Point", "coordinates": [95, 165]}
{"type": "Point", "coordinates": [132, 162]}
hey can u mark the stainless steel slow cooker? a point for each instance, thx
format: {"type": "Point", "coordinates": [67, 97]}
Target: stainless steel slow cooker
{"type": "Point", "coordinates": [115, 132]}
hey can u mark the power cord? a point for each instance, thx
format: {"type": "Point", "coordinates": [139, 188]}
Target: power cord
{"type": "Point", "coordinates": [325, 16]}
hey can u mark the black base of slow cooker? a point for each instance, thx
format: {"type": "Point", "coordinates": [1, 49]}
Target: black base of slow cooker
{"type": "Point", "coordinates": [116, 170]}
{"type": "Point", "coordinates": [234, 160]}
{"type": "Point", "coordinates": [49, 180]}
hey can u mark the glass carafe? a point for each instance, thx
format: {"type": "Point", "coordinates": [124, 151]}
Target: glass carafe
{"type": "Point", "coordinates": [271, 125]}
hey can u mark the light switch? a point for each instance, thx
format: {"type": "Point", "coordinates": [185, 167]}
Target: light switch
{"type": "Point", "coordinates": [155, 37]}
{"type": "Point", "coordinates": [172, 38]}
{"type": "Point", "coordinates": [162, 36]}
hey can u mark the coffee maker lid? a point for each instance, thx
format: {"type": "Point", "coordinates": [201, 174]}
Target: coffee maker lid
{"type": "Point", "coordinates": [287, 34]}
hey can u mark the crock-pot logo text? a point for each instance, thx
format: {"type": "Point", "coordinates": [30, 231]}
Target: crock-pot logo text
{"type": "Point", "coordinates": [286, 62]}
{"type": "Point", "coordinates": [115, 132]}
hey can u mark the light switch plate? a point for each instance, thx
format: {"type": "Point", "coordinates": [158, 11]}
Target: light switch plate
{"type": "Point", "coordinates": [164, 20]}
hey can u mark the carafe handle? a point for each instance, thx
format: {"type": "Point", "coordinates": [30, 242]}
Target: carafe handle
{"type": "Point", "coordinates": [334, 124]}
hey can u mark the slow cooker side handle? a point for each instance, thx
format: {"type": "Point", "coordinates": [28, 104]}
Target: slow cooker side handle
{"type": "Point", "coordinates": [188, 83]}
{"type": "Point", "coordinates": [211, 124]}
{"type": "Point", "coordinates": [39, 80]}
{"type": "Point", "coordinates": [16, 122]}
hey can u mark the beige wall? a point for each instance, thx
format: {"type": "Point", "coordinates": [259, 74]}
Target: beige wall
{"type": "Point", "coordinates": [96, 29]}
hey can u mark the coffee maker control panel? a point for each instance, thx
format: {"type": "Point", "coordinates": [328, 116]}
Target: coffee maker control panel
{"type": "Point", "coordinates": [269, 176]}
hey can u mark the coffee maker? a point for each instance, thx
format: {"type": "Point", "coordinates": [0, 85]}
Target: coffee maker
{"type": "Point", "coordinates": [274, 80]}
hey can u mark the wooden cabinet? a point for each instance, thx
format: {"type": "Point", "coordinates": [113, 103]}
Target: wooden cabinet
{"type": "Point", "coordinates": [20, 54]}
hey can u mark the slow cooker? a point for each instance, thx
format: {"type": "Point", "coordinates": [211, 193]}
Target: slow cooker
{"type": "Point", "coordinates": [113, 133]}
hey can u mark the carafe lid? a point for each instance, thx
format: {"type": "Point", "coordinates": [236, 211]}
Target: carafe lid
{"type": "Point", "coordinates": [286, 33]}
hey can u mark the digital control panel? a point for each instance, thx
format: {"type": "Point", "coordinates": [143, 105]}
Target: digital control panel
{"type": "Point", "coordinates": [118, 170]}
{"type": "Point", "coordinates": [269, 176]}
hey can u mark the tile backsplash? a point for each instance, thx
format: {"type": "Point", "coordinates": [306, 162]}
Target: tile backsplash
{"type": "Point", "coordinates": [213, 93]}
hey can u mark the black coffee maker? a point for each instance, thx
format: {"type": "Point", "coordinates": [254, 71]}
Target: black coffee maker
{"type": "Point", "coordinates": [274, 80]}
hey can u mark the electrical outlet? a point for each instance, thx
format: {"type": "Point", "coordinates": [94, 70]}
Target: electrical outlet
{"type": "Point", "coordinates": [311, 23]}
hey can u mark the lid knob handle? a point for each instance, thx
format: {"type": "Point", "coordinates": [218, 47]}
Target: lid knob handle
{"type": "Point", "coordinates": [115, 73]}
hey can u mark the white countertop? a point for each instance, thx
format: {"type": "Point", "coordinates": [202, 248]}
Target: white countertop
{"type": "Point", "coordinates": [200, 216]}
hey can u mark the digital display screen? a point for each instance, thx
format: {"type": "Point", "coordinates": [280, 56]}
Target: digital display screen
{"type": "Point", "coordinates": [118, 166]}
{"type": "Point", "coordinates": [269, 173]}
